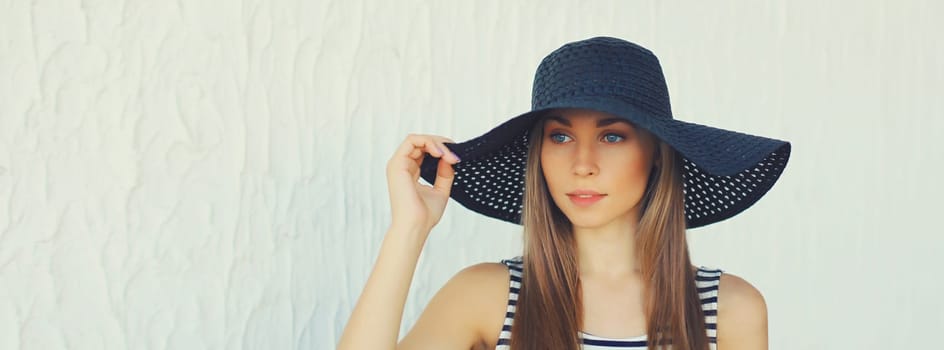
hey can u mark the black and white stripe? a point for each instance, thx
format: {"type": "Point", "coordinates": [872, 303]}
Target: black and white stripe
{"type": "Point", "coordinates": [706, 280]}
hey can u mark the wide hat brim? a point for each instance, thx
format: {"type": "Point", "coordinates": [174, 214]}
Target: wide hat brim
{"type": "Point", "coordinates": [724, 171]}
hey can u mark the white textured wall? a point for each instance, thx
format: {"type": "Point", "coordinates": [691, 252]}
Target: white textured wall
{"type": "Point", "coordinates": [209, 174]}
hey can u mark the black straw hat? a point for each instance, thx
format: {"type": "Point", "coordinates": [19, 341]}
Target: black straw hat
{"type": "Point", "coordinates": [724, 172]}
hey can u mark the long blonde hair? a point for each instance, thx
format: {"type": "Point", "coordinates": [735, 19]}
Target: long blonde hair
{"type": "Point", "coordinates": [549, 308]}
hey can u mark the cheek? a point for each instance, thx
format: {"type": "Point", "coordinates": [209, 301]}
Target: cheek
{"type": "Point", "coordinates": [555, 173]}
{"type": "Point", "coordinates": [550, 161]}
{"type": "Point", "coordinates": [550, 167]}
{"type": "Point", "coordinates": [640, 167]}
{"type": "Point", "coordinates": [634, 175]}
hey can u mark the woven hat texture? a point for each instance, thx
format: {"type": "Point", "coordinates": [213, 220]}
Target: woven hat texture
{"type": "Point", "coordinates": [724, 171]}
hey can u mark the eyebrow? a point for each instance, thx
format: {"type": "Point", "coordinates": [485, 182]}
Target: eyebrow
{"type": "Point", "coordinates": [600, 123]}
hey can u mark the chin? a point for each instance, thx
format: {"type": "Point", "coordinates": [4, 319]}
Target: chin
{"type": "Point", "coordinates": [587, 219]}
{"type": "Point", "coordinates": [595, 218]}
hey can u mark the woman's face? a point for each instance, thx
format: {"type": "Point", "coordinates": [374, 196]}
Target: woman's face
{"type": "Point", "coordinates": [595, 151]}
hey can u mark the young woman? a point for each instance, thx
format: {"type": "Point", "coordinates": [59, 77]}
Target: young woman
{"type": "Point", "coordinates": [604, 182]}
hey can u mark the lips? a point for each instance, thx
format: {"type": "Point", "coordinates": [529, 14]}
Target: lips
{"type": "Point", "coordinates": [585, 192]}
{"type": "Point", "coordinates": [585, 198]}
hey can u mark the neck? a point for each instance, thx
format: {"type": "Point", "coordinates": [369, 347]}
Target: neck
{"type": "Point", "coordinates": [608, 251]}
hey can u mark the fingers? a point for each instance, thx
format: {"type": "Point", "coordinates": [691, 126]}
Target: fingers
{"type": "Point", "coordinates": [445, 175]}
{"type": "Point", "coordinates": [415, 146]}
{"type": "Point", "coordinates": [409, 156]}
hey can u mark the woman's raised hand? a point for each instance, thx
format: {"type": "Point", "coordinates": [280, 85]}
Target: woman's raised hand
{"type": "Point", "coordinates": [375, 321]}
{"type": "Point", "coordinates": [416, 206]}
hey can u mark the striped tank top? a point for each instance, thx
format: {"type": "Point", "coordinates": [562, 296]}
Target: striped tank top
{"type": "Point", "coordinates": [706, 280]}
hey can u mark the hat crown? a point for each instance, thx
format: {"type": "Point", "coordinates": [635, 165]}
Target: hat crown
{"type": "Point", "coordinates": [602, 68]}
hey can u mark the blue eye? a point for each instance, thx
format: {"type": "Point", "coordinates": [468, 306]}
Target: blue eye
{"type": "Point", "coordinates": [556, 134]}
{"type": "Point", "coordinates": [612, 140]}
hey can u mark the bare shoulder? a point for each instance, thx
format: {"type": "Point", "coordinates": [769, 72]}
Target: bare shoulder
{"type": "Point", "coordinates": [489, 283]}
{"type": "Point", "coordinates": [467, 312]}
{"type": "Point", "coordinates": [742, 315]}
{"type": "Point", "coordinates": [486, 274]}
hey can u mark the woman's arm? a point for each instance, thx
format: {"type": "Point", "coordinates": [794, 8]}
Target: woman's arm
{"type": "Point", "coordinates": [416, 209]}
{"type": "Point", "coordinates": [467, 311]}
{"type": "Point", "coordinates": [375, 321]}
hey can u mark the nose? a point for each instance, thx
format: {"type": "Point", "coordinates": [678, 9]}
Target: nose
{"type": "Point", "coordinates": [585, 162]}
